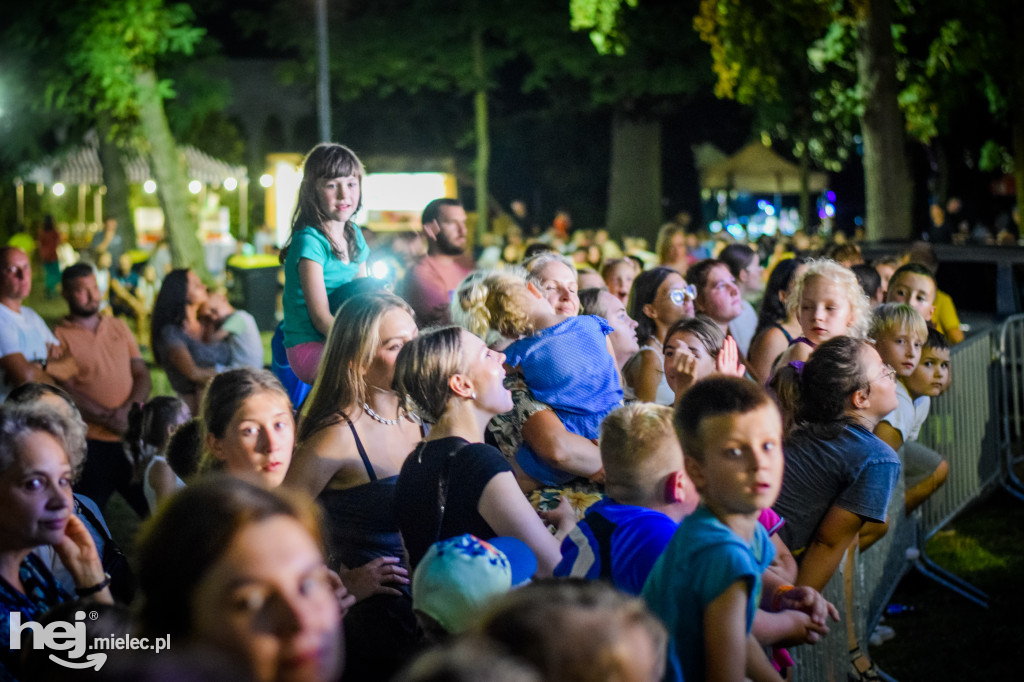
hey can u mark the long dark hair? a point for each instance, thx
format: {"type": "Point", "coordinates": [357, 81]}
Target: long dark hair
{"type": "Point", "coordinates": [772, 309]}
{"type": "Point", "coordinates": [645, 288]}
{"type": "Point", "coordinates": [169, 308]}
{"type": "Point", "coordinates": [325, 161]}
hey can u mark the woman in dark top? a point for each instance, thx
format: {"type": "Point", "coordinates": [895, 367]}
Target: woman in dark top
{"type": "Point", "coordinates": [352, 442]}
{"type": "Point", "coordinates": [177, 337]}
{"type": "Point", "coordinates": [775, 327]}
{"type": "Point", "coordinates": [452, 483]}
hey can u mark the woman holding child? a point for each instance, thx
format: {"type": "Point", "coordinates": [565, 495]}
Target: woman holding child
{"type": "Point", "coordinates": [177, 337]}
{"type": "Point", "coordinates": [568, 456]}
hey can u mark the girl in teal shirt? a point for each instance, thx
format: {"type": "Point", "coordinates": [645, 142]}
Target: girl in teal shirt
{"type": "Point", "coordinates": [325, 250]}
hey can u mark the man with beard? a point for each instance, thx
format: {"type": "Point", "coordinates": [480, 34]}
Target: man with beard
{"type": "Point", "coordinates": [429, 284]}
{"type": "Point", "coordinates": [111, 377]}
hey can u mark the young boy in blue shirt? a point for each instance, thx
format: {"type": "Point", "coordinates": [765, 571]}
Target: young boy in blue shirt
{"type": "Point", "coordinates": [648, 491]}
{"type": "Point", "coordinates": [707, 584]}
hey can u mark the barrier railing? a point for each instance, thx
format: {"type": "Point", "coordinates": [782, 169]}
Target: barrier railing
{"type": "Point", "coordinates": [963, 426]}
{"type": "Point", "coordinates": [1011, 363]}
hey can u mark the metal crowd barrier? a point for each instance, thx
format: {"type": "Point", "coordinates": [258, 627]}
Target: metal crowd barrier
{"type": "Point", "coordinates": [1011, 362]}
{"type": "Point", "coordinates": [982, 450]}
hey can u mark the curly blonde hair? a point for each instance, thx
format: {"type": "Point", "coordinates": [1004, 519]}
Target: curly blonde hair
{"type": "Point", "coordinates": [843, 277]}
{"type": "Point", "coordinates": [495, 300]}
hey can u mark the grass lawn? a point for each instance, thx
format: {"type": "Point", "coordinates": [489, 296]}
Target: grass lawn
{"type": "Point", "coordinates": [947, 637]}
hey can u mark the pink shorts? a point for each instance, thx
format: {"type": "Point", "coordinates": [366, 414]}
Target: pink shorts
{"type": "Point", "coordinates": [304, 359]}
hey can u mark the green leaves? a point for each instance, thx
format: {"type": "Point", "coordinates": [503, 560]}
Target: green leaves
{"type": "Point", "coordinates": [105, 44]}
{"type": "Point", "coordinates": [602, 19]}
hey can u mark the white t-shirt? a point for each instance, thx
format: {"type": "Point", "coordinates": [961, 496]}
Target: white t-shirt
{"type": "Point", "coordinates": [743, 327]}
{"type": "Point", "coordinates": [910, 414]}
{"type": "Point", "coordinates": [23, 332]}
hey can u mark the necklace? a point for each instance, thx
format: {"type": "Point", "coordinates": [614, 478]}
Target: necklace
{"type": "Point", "coordinates": [376, 417]}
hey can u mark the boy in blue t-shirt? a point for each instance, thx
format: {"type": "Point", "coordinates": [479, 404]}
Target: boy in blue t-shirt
{"type": "Point", "coordinates": [707, 584]}
{"type": "Point", "coordinates": [648, 491]}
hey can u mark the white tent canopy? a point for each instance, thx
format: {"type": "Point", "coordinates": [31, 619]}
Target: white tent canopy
{"type": "Point", "coordinates": [758, 170]}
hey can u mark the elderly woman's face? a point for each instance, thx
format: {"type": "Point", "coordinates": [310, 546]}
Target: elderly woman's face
{"type": "Point", "coordinates": [267, 601]}
{"type": "Point", "coordinates": [559, 285]}
{"type": "Point", "coordinates": [258, 441]}
{"type": "Point", "coordinates": [35, 493]}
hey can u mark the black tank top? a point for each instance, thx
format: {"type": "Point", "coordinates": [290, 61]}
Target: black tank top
{"type": "Point", "coordinates": [361, 524]}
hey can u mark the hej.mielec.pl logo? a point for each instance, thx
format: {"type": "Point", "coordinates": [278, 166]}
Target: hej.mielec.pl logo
{"type": "Point", "coordinates": [72, 638]}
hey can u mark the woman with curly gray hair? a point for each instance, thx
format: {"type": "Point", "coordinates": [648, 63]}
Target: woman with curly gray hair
{"type": "Point", "coordinates": [36, 470]}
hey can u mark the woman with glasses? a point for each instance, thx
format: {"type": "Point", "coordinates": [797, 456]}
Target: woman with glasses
{"type": "Point", "coordinates": [718, 295]}
{"type": "Point", "coordinates": [660, 298]}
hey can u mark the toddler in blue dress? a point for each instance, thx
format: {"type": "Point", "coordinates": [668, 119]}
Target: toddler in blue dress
{"type": "Point", "coordinates": [567, 361]}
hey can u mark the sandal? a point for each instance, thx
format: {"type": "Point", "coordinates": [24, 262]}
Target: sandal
{"type": "Point", "coordinates": [862, 668]}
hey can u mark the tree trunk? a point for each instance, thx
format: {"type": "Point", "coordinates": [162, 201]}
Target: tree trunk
{"type": "Point", "coordinates": [169, 172]}
{"type": "Point", "coordinates": [634, 180]}
{"type": "Point", "coordinates": [887, 183]}
{"type": "Point", "coordinates": [804, 164]}
{"type": "Point", "coordinates": [483, 139]}
{"type": "Point", "coordinates": [115, 202]}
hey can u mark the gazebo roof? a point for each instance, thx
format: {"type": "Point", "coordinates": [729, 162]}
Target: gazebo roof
{"type": "Point", "coordinates": [81, 166]}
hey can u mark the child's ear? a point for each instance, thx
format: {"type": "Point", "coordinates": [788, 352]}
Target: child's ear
{"type": "Point", "coordinates": [695, 472]}
{"type": "Point", "coordinates": [675, 487]}
{"type": "Point", "coordinates": [649, 311]}
{"type": "Point", "coordinates": [532, 288]}
{"type": "Point", "coordinates": [213, 445]}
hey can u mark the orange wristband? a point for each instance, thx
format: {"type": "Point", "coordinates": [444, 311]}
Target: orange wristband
{"type": "Point", "coordinates": [779, 591]}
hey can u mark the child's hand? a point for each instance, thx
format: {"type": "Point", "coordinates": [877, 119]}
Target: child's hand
{"type": "Point", "coordinates": [562, 517]}
{"type": "Point", "coordinates": [728, 362]}
{"type": "Point", "coordinates": [809, 601]}
{"type": "Point", "coordinates": [796, 627]}
{"type": "Point", "coordinates": [685, 364]}
{"type": "Point", "coordinates": [55, 351]}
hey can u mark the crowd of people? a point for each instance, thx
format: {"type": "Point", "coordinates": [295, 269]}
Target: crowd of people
{"type": "Point", "coordinates": [594, 463]}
